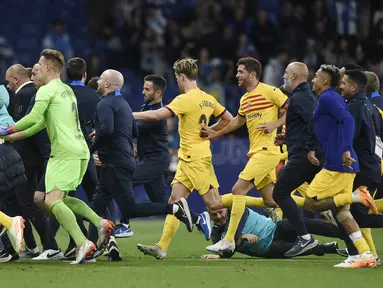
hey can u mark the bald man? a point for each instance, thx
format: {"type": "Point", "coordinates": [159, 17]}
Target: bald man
{"type": "Point", "coordinates": [300, 139]}
{"type": "Point", "coordinates": [113, 142]}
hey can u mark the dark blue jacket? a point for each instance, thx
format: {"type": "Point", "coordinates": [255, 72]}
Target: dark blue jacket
{"type": "Point", "coordinates": [87, 100]}
{"type": "Point", "coordinates": [377, 100]}
{"type": "Point", "coordinates": [365, 135]}
{"type": "Point", "coordinates": [152, 140]}
{"type": "Point", "coordinates": [114, 131]}
{"type": "Point", "coordinates": [334, 129]}
{"type": "Point", "coordinates": [300, 134]}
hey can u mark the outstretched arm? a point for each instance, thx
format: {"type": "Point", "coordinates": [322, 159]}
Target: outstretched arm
{"type": "Point", "coordinates": [225, 119]}
{"type": "Point", "coordinates": [153, 115]}
{"type": "Point", "coordinates": [233, 125]}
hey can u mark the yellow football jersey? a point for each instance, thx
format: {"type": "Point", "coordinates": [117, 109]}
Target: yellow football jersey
{"type": "Point", "coordinates": [261, 105]}
{"type": "Point", "coordinates": [194, 108]}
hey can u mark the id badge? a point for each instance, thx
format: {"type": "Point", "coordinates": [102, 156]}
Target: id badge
{"type": "Point", "coordinates": [378, 147]}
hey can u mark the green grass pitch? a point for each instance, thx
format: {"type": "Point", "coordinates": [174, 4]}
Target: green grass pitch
{"type": "Point", "coordinates": [183, 268]}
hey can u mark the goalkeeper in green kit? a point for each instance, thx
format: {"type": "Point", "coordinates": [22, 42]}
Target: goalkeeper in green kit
{"type": "Point", "coordinates": [56, 110]}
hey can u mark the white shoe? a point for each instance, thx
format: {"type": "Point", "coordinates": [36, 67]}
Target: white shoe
{"type": "Point", "coordinates": [153, 250]}
{"type": "Point", "coordinates": [83, 251]}
{"type": "Point", "coordinates": [16, 233]}
{"type": "Point", "coordinates": [50, 254]}
{"type": "Point", "coordinates": [365, 260]}
{"type": "Point", "coordinates": [221, 246]}
{"type": "Point", "coordinates": [104, 231]}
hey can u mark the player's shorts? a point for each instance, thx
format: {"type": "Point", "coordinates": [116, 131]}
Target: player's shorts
{"type": "Point", "coordinates": [198, 175]}
{"type": "Point", "coordinates": [327, 184]}
{"type": "Point", "coordinates": [260, 168]}
{"type": "Point", "coordinates": [302, 189]}
{"type": "Point", "coordinates": [64, 175]}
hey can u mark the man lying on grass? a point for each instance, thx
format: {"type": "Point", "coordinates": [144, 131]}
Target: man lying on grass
{"type": "Point", "coordinates": [260, 237]}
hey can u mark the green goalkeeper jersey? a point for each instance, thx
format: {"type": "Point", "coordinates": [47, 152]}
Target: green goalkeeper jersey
{"type": "Point", "coordinates": [56, 110]}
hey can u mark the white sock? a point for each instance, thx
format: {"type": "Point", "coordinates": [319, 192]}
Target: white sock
{"type": "Point", "coordinates": [199, 218]}
{"type": "Point", "coordinates": [306, 237]}
{"type": "Point", "coordinates": [175, 208]}
{"type": "Point", "coordinates": [355, 236]}
{"type": "Point", "coordinates": [356, 197]}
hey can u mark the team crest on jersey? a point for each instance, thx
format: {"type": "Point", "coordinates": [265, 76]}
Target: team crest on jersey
{"type": "Point", "coordinates": [248, 105]}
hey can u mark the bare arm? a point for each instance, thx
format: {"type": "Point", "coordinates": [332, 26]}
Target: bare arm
{"type": "Point", "coordinates": [234, 124]}
{"type": "Point", "coordinates": [271, 126]}
{"type": "Point", "coordinates": [153, 115]}
{"type": "Point", "coordinates": [223, 121]}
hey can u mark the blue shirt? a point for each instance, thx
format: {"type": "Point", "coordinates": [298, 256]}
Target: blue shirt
{"type": "Point", "coordinates": [334, 129]}
{"type": "Point", "coordinates": [261, 226]}
{"type": "Point", "coordinates": [5, 119]}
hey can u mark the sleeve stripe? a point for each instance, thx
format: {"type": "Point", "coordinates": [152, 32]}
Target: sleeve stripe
{"type": "Point", "coordinates": [286, 103]}
{"type": "Point", "coordinates": [241, 115]}
{"type": "Point", "coordinates": [223, 112]}
{"type": "Point", "coordinates": [171, 111]}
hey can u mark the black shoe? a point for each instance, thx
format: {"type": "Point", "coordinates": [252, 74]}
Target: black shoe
{"type": "Point", "coordinates": [183, 214]}
{"type": "Point", "coordinates": [15, 258]}
{"type": "Point", "coordinates": [114, 252]}
{"type": "Point", "coordinates": [70, 253]}
{"type": "Point", "coordinates": [342, 252]}
{"type": "Point", "coordinates": [30, 253]}
{"type": "Point", "coordinates": [301, 246]}
{"type": "Point", "coordinates": [4, 256]}
{"type": "Point", "coordinates": [331, 247]}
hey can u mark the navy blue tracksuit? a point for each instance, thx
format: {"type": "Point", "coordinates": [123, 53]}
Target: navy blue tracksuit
{"type": "Point", "coordinates": [153, 157]}
{"type": "Point", "coordinates": [300, 139]}
{"type": "Point", "coordinates": [114, 144]}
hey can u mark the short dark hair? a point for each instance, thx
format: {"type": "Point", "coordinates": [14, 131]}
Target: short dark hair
{"type": "Point", "coordinates": [75, 68]}
{"type": "Point", "coordinates": [55, 57]}
{"type": "Point", "coordinates": [92, 84]}
{"type": "Point", "coordinates": [159, 82]}
{"type": "Point", "coordinates": [358, 77]}
{"type": "Point", "coordinates": [352, 66]}
{"type": "Point", "coordinates": [251, 65]}
{"type": "Point", "coordinates": [333, 72]}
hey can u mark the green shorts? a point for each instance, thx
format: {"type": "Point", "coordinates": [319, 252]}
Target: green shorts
{"type": "Point", "coordinates": [64, 175]}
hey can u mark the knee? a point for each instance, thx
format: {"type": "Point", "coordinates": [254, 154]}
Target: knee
{"type": "Point", "coordinates": [344, 214]}
{"type": "Point", "coordinates": [173, 198]}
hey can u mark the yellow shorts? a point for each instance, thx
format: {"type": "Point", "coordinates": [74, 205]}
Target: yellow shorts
{"type": "Point", "coordinates": [327, 184]}
{"type": "Point", "coordinates": [302, 189]}
{"type": "Point", "coordinates": [260, 168]}
{"type": "Point", "coordinates": [64, 175]}
{"type": "Point", "coordinates": [198, 175]}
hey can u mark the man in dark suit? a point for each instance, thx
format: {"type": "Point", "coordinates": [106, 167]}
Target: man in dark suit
{"type": "Point", "coordinates": [23, 91]}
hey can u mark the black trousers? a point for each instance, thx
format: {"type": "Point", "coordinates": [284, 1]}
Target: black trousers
{"type": "Point", "coordinates": [360, 212]}
{"type": "Point", "coordinates": [116, 182]}
{"type": "Point", "coordinates": [20, 202]}
{"type": "Point", "coordinates": [297, 171]}
{"type": "Point", "coordinates": [152, 173]}
{"type": "Point", "coordinates": [285, 235]}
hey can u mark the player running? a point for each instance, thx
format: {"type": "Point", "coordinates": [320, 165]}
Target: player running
{"type": "Point", "coordinates": [56, 109]}
{"type": "Point", "coordinates": [259, 105]}
{"type": "Point", "coordinates": [195, 168]}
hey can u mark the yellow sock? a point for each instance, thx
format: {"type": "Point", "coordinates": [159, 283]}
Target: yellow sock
{"type": "Point", "coordinates": [239, 205]}
{"type": "Point", "coordinates": [341, 200]}
{"type": "Point", "coordinates": [367, 235]}
{"type": "Point", "coordinates": [227, 201]}
{"type": "Point", "coordinates": [361, 245]}
{"type": "Point", "coordinates": [5, 220]}
{"type": "Point", "coordinates": [299, 200]}
{"type": "Point", "coordinates": [170, 228]}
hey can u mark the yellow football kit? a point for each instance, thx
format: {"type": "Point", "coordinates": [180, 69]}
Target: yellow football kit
{"type": "Point", "coordinates": [195, 169]}
{"type": "Point", "coordinates": [258, 106]}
